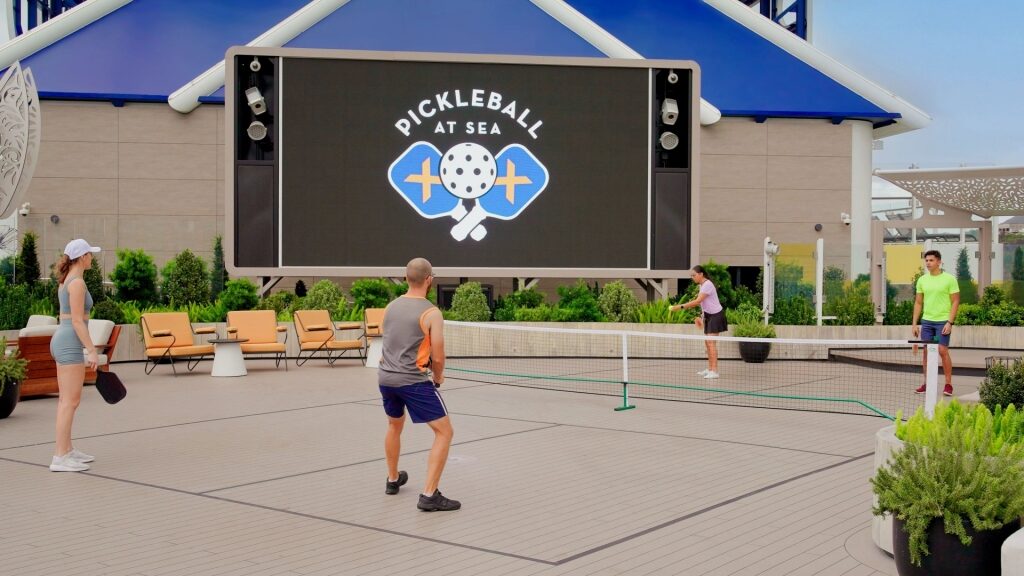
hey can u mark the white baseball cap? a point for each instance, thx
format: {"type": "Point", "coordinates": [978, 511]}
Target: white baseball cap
{"type": "Point", "coordinates": [78, 248]}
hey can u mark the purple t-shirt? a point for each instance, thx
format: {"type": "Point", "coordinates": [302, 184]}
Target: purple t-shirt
{"type": "Point", "coordinates": [710, 303]}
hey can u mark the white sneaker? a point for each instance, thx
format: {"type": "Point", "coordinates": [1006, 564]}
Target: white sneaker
{"type": "Point", "coordinates": [66, 464]}
{"type": "Point", "coordinates": [703, 372]}
{"type": "Point", "coordinates": [79, 456]}
{"type": "Point", "coordinates": [710, 375]}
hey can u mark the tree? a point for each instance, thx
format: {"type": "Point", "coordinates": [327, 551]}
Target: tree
{"type": "Point", "coordinates": [186, 280]}
{"type": "Point", "coordinates": [1018, 264]}
{"type": "Point", "coordinates": [27, 265]}
{"type": "Point", "coordinates": [94, 281]}
{"type": "Point", "coordinates": [968, 289]}
{"type": "Point", "coordinates": [219, 275]}
{"type": "Point", "coordinates": [963, 266]}
{"type": "Point", "coordinates": [300, 289]}
{"type": "Point", "coordinates": [134, 277]}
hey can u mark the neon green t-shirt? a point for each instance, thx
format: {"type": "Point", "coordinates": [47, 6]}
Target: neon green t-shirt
{"type": "Point", "coordinates": [936, 290]}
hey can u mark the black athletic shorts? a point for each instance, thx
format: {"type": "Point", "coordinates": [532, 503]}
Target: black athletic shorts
{"type": "Point", "coordinates": [715, 323]}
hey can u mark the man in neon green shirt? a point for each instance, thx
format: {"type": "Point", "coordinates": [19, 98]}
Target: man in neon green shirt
{"type": "Point", "coordinates": [938, 295]}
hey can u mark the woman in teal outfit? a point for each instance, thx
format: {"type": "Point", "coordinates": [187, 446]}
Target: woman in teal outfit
{"type": "Point", "coordinates": [67, 345]}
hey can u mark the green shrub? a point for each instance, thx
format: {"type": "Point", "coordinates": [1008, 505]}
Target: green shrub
{"type": "Point", "coordinates": [900, 313]}
{"type": "Point", "coordinates": [239, 294]}
{"type": "Point", "coordinates": [658, 313]}
{"type": "Point", "coordinates": [206, 312]}
{"type": "Point", "coordinates": [93, 278]}
{"type": "Point", "coordinates": [618, 303]}
{"type": "Point", "coordinates": [854, 307]}
{"type": "Point", "coordinates": [971, 315]}
{"type": "Point", "coordinates": [13, 368]}
{"type": "Point", "coordinates": [7, 269]}
{"type": "Point", "coordinates": [579, 303]}
{"type": "Point", "coordinates": [108, 310]}
{"type": "Point", "coordinates": [43, 307]}
{"type": "Point", "coordinates": [186, 280]}
{"type": "Point", "coordinates": [278, 302]}
{"type": "Point", "coordinates": [131, 310]}
{"type": "Point", "coordinates": [372, 292]}
{"type": "Point", "coordinates": [793, 310]}
{"type": "Point", "coordinates": [324, 295]}
{"type": "Point", "coordinates": [134, 277]}
{"type": "Point", "coordinates": [753, 330]}
{"type": "Point", "coordinates": [15, 306]}
{"type": "Point", "coordinates": [993, 296]}
{"type": "Point", "coordinates": [28, 271]}
{"type": "Point", "coordinates": [1005, 314]}
{"type": "Point", "coordinates": [1003, 386]}
{"type": "Point", "coordinates": [505, 308]}
{"type": "Point", "coordinates": [746, 313]}
{"type": "Point", "coordinates": [469, 303]}
{"type": "Point", "coordinates": [964, 465]}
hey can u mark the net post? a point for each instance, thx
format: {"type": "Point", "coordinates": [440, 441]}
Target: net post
{"type": "Point", "coordinates": [931, 392]}
{"type": "Point", "coordinates": [625, 375]}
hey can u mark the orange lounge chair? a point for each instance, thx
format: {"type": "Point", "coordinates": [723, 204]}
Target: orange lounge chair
{"type": "Point", "coordinates": [261, 329]}
{"type": "Point", "coordinates": [316, 333]}
{"type": "Point", "coordinates": [170, 336]}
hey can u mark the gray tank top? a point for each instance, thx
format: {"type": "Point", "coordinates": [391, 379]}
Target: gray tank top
{"type": "Point", "coordinates": [65, 299]}
{"type": "Point", "coordinates": [406, 346]}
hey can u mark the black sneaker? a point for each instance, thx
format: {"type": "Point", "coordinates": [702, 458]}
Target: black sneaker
{"type": "Point", "coordinates": [392, 487]}
{"type": "Point", "coordinates": [437, 502]}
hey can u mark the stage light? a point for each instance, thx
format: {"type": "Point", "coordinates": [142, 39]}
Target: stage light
{"type": "Point", "coordinates": [256, 101]}
{"type": "Point", "coordinates": [257, 130]}
{"type": "Point", "coordinates": [669, 111]}
{"type": "Point", "coordinates": [668, 140]}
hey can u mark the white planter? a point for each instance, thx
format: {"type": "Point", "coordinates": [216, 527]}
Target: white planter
{"type": "Point", "coordinates": [886, 443]}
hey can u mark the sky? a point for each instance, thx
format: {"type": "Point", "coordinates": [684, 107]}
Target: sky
{"type": "Point", "coordinates": [962, 63]}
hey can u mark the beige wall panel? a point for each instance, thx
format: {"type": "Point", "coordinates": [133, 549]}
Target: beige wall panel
{"type": "Point", "coordinates": [78, 121]}
{"type": "Point", "coordinates": [815, 206]}
{"type": "Point", "coordinates": [734, 136]}
{"type": "Point", "coordinates": [168, 161]}
{"type": "Point", "coordinates": [837, 240]}
{"type": "Point", "coordinates": [77, 160]}
{"type": "Point", "coordinates": [790, 137]}
{"type": "Point", "coordinates": [161, 124]}
{"type": "Point", "coordinates": [220, 124]}
{"type": "Point", "coordinates": [732, 238]}
{"type": "Point", "coordinates": [168, 233]}
{"type": "Point", "coordinates": [220, 162]}
{"type": "Point", "coordinates": [732, 259]}
{"type": "Point", "coordinates": [729, 171]}
{"type": "Point", "coordinates": [97, 230]}
{"type": "Point", "coordinates": [73, 196]}
{"type": "Point", "coordinates": [809, 172]}
{"type": "Point", "coordinates": [162, 197]}
{"type": "Point", "coordinates": [729, 205]}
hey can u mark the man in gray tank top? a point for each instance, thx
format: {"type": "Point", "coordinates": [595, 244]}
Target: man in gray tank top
{"type": "Point", "coordinates": [411, 370]}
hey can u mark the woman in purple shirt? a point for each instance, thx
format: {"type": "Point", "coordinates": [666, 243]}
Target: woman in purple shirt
{"type": "Point", "coordinates": [712, 319]}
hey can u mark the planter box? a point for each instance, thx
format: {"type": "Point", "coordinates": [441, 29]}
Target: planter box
{"type": "Point", "coordinates": [886, 443]}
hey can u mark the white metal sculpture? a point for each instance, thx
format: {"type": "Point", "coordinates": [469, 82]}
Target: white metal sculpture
{"type": "Point", "coordinates": [20, 131]}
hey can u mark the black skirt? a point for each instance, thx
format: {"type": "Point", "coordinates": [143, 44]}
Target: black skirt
{"type": "Point", "coordinates": [715, 323]}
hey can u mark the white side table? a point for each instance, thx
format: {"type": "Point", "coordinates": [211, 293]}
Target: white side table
{"type": "Point", "coordinates": [227, 357]}
{"type": "Point", "coordinates": [374, 352]}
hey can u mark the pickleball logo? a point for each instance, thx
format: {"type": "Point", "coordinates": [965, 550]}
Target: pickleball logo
{"type": "Point", "coordinates": [468, 182]}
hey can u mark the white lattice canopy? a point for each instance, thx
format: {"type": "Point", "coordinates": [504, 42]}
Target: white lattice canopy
{"type": "Point", "coordinates": [987, 192]}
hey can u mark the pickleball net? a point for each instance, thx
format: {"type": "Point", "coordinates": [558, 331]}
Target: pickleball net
{"type": "Point", "coordinates": [865, 377]}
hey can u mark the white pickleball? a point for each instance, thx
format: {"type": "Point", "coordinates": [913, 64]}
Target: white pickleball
{"type": "Point", "coordinates": [468, 170]}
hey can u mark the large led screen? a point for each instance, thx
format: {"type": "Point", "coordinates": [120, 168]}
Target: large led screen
{"type": "Point", "coordinates": [470, 165]}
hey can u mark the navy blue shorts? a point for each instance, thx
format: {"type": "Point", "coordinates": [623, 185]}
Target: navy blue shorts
{"type": "Point", "coordinates": [422, 399]}
{"type": "Point", "coordinates": [932, 332]}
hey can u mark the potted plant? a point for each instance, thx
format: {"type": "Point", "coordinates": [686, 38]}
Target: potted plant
{"type": "Point", "coordinates": [955, 490]}
{"type": "Point", "coordinates": [754, 352]}
{"type": "Point", "coordinates": [12, 371]}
